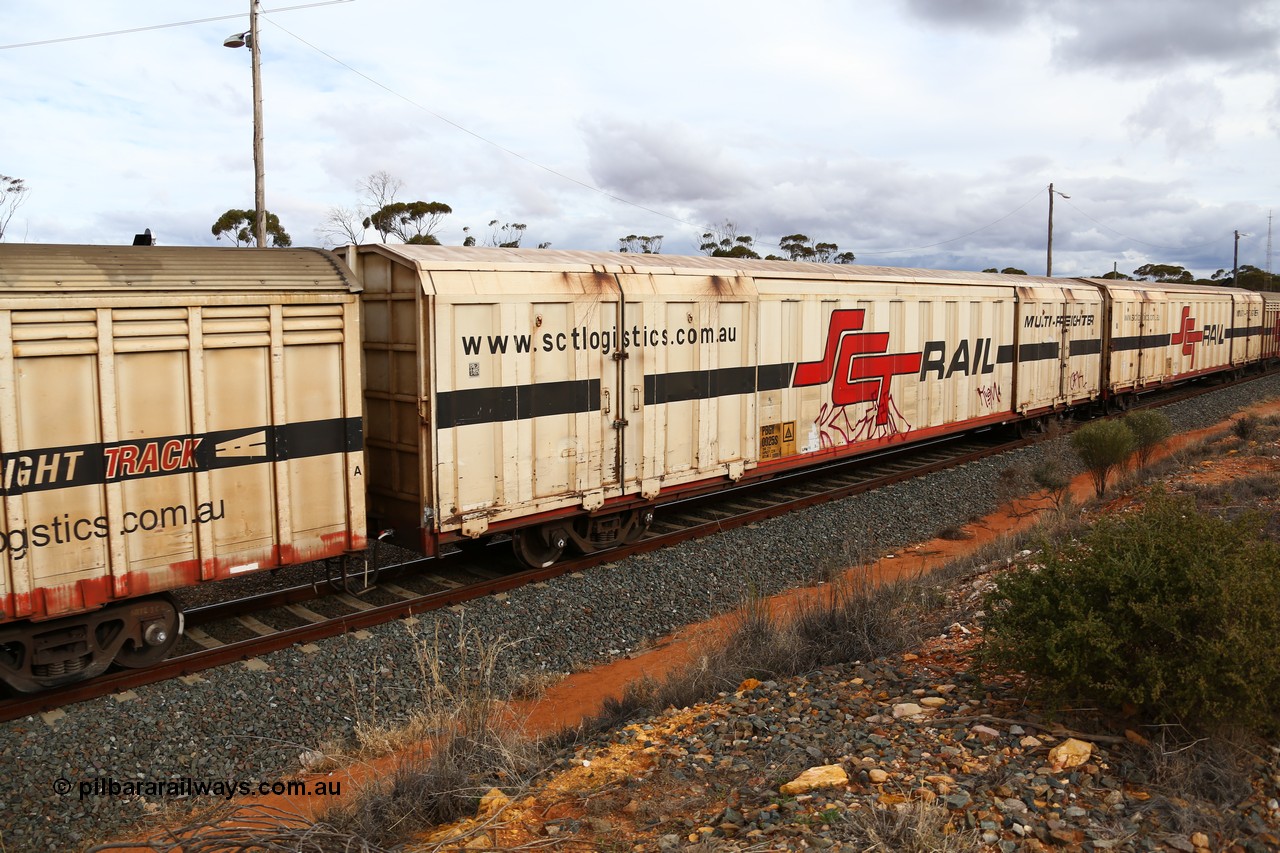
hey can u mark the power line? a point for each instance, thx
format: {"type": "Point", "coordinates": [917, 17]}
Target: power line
{"type": "Point", "coordinates": [164, 26]}
{"type": "Point", "coordinates": [535, 163]}
{"type": "Point", "coordinates": [482, 138]}
{"type": "Point", "coordinates": [574, 180]}
{"type": "Point", "coordinates": [1143, 242]}
{"type": "Point", "coordinates": [962, 236]}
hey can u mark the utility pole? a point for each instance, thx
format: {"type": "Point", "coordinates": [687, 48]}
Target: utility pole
{"type": "Point", "coordinates": [1048, 265]}
{"type": "Point", "coordinates": [1235, 261]}
{"type": "Point", "coordinates": [249, 39]}
{"type": "Point", "coordinates": [259, 170]}
{"type": "Point", "coordinates": [1268, 248]}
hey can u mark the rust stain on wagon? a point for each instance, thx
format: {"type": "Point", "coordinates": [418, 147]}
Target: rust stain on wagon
{"type": "Point", "coordinates": [49, 602]}
{"type": "Point", "coordinates": [273, 557]}
{"type": "Point", "coordinates": [603, 281]}
{"type": "Point", "coordinates": [718, 285]}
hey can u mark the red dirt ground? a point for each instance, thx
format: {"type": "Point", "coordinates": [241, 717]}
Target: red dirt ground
{"type": "Point", "coordinates": [581, 695]}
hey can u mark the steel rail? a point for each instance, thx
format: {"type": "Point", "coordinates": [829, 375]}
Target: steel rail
{"type": "Point", "coordinates": [806, 487]}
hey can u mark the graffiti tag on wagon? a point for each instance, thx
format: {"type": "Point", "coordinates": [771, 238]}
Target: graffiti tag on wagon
{"type": "Point", "coordinates": [989, 395]}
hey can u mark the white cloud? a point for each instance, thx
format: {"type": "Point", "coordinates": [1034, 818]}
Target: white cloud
{"type": "Point", "coordinates": [921, 133]}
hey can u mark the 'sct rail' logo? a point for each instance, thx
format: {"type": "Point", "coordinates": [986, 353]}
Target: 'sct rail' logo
{"type": "Point", "coordinates": [860, 363]}
{"type": "Point", "coordinates": [1187, 335]}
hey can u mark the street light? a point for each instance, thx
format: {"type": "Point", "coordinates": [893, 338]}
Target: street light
{"type": "Point", "coordinates": [250, 39]}
{"type": "Point", "coordinates": [1048, 265]}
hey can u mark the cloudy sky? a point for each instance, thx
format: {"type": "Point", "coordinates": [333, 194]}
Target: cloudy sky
{"type": "Point", "coordinates": [911, 132]}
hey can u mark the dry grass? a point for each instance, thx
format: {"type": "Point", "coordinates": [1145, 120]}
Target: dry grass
{"type": "Point", "coordinates": [455, 746]}
{"type": "Point", "coordinates": [1197, 780]}
{"type": "Point", "coordinates": [915, 827]}
{"type": "Point", "coordinates": [852, 619]}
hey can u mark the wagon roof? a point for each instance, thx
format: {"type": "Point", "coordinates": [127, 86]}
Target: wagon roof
{"type": "Point", "coordinates": [52, 268]}
{"type": "Point", "coordinates": [429, 258]}
{"type": "Point", "coordinates": [1165, 286]}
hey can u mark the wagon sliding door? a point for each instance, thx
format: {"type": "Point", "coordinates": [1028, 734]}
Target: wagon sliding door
{"type": "Point", "coordinates": [524, 376]}
{"type": "Point", "coordinates": [699, 400]}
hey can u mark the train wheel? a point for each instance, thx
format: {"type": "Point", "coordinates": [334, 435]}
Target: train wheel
{"type": "Point", "coordinates": [640, 521]}
{"type": "Point", "coordinates": [158, 626]}
{"type": "Point", "coordinates": [539, 547]}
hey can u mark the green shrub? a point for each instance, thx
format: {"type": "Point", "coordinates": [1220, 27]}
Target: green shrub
{"type": "Point", "coordinates": [1102, 446]}
{"type": "Point", "coordinates": [1149, 430]}
{"type": "Point", "coordinates": [1245, 427]}
{"type": "Point", "coordinates": [1052, 475]}
{"type": "Point", "coordinates": [1166, 609]}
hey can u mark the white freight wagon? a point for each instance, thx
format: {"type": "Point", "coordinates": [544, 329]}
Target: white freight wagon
{"type": "Point", "coordinates": [558, 395]}
{"type": "Point", "coordinates": [1160, 333]}
{"type": "Point", "coordinates": [1270, 326]}
{"type": "Point", "coordinates": [168, 417]}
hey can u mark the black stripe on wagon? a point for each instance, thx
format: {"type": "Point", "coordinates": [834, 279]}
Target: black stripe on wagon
{"type": "Point", "coordinates": [520, 402]}
{"type": "Point", "coordinates": [1246, 332]}
{"type": "Point", "coordinates": [1131, 342]}
{"type": "Point", "coordinates": [771, 377]}
{"type": "Point", "coordinates": [1004, 354]}
{"type": "Point", "coordinates": [1038, 352]}
{"type": "Point", "coordinates": [46, 468]}
{"type": "Point", "coordinates": [709, 384]}
{"type": "Point", "coordinates": [516, 402]}
{"type": "Point", "coordinates": [698, 385]}
{"type": "Point", "coordinates": [1092, 346]}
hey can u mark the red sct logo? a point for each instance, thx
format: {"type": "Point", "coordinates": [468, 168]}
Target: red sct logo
{"type": "Point", "coordinates": [860, 363]}
{"type": "Point", "coordinates": [1187, 335]}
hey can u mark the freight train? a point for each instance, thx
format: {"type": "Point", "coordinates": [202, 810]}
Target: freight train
{"type": "Point", "coordinates": [176, 416]}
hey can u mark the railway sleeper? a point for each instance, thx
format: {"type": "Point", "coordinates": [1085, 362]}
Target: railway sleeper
{"type": "Point", "coordinates": [36, 656]}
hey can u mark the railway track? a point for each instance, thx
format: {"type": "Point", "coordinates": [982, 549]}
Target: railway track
{"type": "Point", "coordinates": [238, 630]}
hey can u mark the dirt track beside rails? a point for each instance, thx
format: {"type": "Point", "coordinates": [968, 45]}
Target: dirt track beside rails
{"type": "Point", "coordinates": [579, 696]}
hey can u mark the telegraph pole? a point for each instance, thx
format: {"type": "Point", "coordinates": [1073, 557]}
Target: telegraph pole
{"type": "Point", "coordinates": [259, 170]}
{"type": "Point", "coordinates": [249, 39]}
{"type": "Point", "coordinates": [1048, 265]}
{"type": "Point", "coordinates": [1235, 261]}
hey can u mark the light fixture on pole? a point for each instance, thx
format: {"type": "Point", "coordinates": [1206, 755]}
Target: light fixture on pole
{"type": "Point", "coordinates": [250, 39]}
{"type": "Point", "coordinates": [1048, 264]}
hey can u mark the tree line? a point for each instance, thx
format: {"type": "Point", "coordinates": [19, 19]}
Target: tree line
{"type": "Point", "coordinates": [1250, 277]}
{"type": "Point", "coordinates": [380, 209]}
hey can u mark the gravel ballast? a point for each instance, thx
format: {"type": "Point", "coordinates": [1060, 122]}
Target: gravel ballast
{"type": "Point", "coordinates": [244, 723]}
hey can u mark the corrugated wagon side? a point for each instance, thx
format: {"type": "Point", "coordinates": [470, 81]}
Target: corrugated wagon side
{"type": "Point", "coordinates": [168, 416]}
{"type": "Point", "coordinates": [1160, 333]}
{"type": "Point", "coordinates": [493, 394]}
{"type": "Point", "coordinates": [1270, 332]}
{"type": "Point", "coordinates": [558, 396]}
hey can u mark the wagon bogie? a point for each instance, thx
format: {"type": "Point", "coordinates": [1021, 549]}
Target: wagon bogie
{"type": "Point", "coordinates": [136, 633]}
